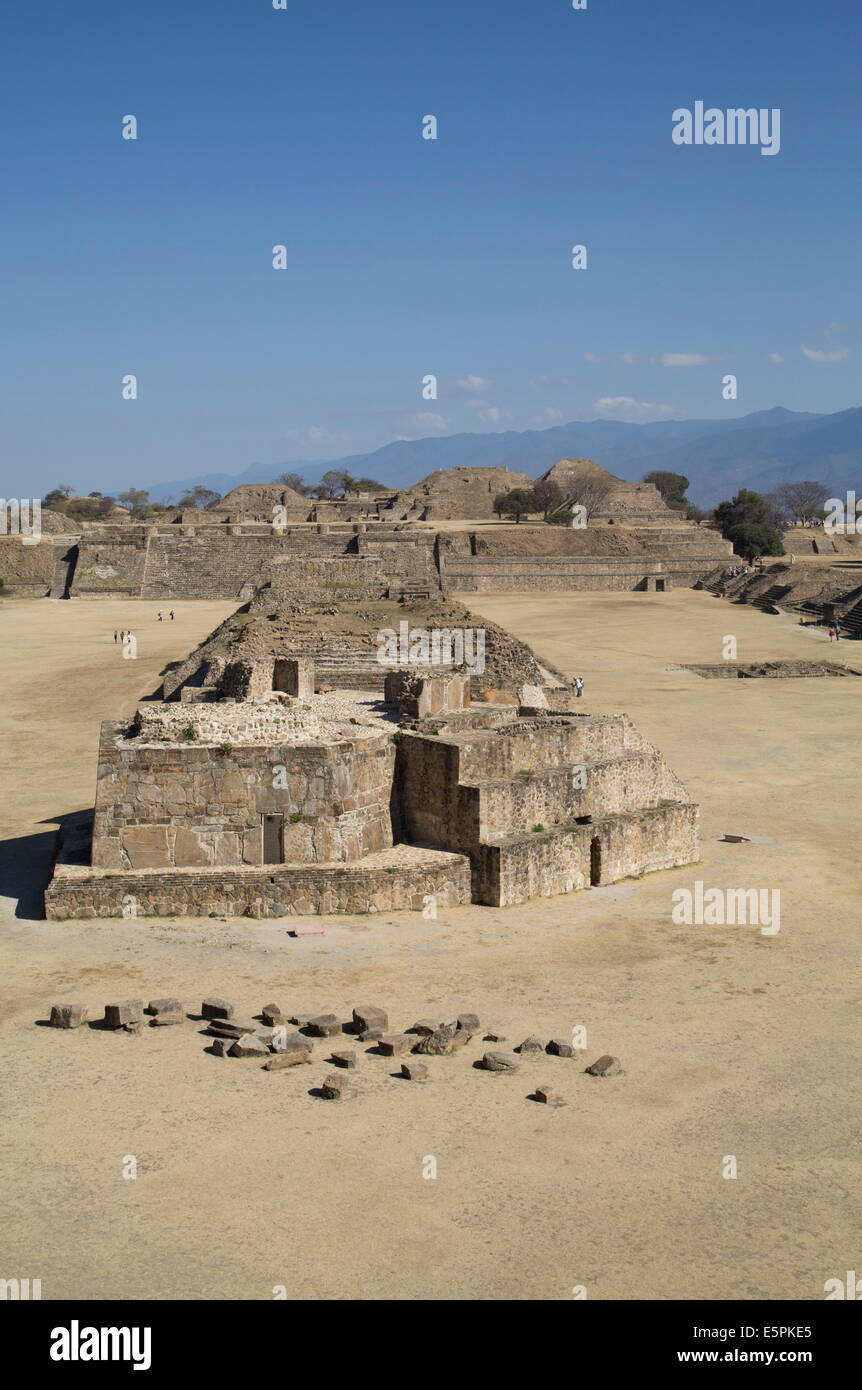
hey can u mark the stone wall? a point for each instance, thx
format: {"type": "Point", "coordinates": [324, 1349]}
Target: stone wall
{"type": "Point", "coordinates": [157, 807]}
{"type": "Point", "coordinates": [404, 880]}
{"type": "Point", "coordinates": [542, 864]}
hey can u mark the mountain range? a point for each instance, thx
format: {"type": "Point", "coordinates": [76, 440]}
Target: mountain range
{"type": "Point", "coordinates": [757, 451]}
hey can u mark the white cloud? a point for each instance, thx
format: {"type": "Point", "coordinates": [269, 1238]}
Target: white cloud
{"type": "Point", "coordinates": [679, 359]}
{"type": "Point", "coordinates": [628, 358]}
{"type": "Point", "coordinates": [817, 354]}
{"type": "Point", "coordinates": [775, 357]}
{"type": "Point", "coordinates": [429, 420]}
{"type": "Point", "coordinates": [491, 415]}
{"type": "Point", "coordinates": [473, 383]}
{"type": "Point", "coordinates": [590, 357]}
{"type": "Point", "coordinates": [549, 416]}
{"type": "Point", "coordinates": [627, 408]}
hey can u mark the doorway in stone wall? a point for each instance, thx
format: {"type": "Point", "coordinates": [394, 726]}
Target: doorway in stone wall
{"type": "Point", "coordinates": [273, 838]}
{"type": "Point", "coordinates": [595, 861]}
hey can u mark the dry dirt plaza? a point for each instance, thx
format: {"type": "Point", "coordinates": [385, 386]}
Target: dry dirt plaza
{"type": "Point", "coordinates": [733, 1043]}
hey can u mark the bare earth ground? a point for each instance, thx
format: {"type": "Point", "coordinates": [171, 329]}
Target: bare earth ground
{"type": "Point", "coordinates": [733, 1043]}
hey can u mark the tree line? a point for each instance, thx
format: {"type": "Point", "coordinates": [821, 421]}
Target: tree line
{"type": "Point", "coordinates": [753, 522]}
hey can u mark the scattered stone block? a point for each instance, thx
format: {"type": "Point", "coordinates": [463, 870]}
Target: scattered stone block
{"type": "Point", "coordinates": [414, 1071]}
{"type": "Point", "coordinates": [467, 1023]}
{"type": "Point", "coordinates": [424, 1027]}
{"type": "Point", "coordinates": [324, 1025]}
{"type": "Point", "coordinates": [68, 1015]}
{"type": "Point", "coordinates": [438, 1043]}
{"type": "Point", "coordinates": [213, 1007]}
{"type": "Point", "coordinates": [546, 1095]}
{"type": "Point", "coordinates": [394, 1044]}
{"type": "Point", "coordinates": [233, 1028]}
{"type": "Point", "coordinates": [605, 1066]}
{"type": "Point", "coordinates": [220, 1046]}
{"type": "Point", "coordinates": [335, 1087]}
{"type": "Point", "coordinates": [167, 1020]}
{"type": "Point", "coordinates": [272, 1015]}
{"type": "Point", "coordinates": [164, 1006]}
{"type": "Point", "coordinates": [248, 1047]}
{"type": "Point", "coordinates": [344, 1059]}
{"type": "Point", "coordinates": [501, 1061]}
{"type": "Point", "coordinates": [560, 1047]}
{"type": "Point", "coordinates": [301, 1020]}
{"type": "Point", "coordinates": [135, 1028]}
{"type": "Point", "coordinates": [292, 1042]}
{"type": "Point", "coordinates": [127, 1011]}
{"type": "Point", "coordinates": [532, 1044]}
{"type": "Point", "coordinates": [494, 1037]}
{"type": "Point", "coordinates": [368, 1016]}
{"type": "Point", "coordinates": [287, 1059]}
{"type": "Point", "coordinates": [460, 1039]}
{"type": "Point", "coordinates": [371, 1035]}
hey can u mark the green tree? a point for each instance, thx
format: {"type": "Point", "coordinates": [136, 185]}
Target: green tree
{"type": "Point", "coordinates": [295, 481]}
{"type": "Point", "coordinates": [672, 486]}
{"type": "Point", "coordinates": [519, 502]}
{"type": "Point", "coordinates": [199, 496]}
{"type": "Point", "coordinates": [752, 539]}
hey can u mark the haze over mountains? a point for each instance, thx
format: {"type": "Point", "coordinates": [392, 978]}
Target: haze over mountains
{"type": "Point", "coordinates": [757, 451]}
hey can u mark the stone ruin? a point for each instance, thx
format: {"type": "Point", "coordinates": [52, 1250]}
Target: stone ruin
{"type": "Point", "coordinates": [265, 796]}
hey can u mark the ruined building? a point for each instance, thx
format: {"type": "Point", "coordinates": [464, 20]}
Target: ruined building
{"type": "Point", "coordinates": [251, 787]}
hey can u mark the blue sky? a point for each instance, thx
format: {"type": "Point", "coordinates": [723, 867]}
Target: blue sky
{"type": "Point", "coordinates": [408, 256]}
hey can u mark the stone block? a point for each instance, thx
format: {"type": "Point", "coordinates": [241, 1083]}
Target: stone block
{"type": "Point", "coordinates": [560, 1047]}
{"type": "Point", "coordinates": [287, 1059]}
{"type": "Point", "coordinates": [272, 1015]}
{"type": "Point", "coordinates": [605, 1066]}
{"type": "Point", "coordinates": [345, 1059]}
{"type": "Point", "coordinates": [249, 1047]}
{"type": "Point", "coordinates": [414, 1071]}
{"type": "Point", "coordinates": [335, 1087]}
{"type": "Point", "coordinates": [166, 1020]}
{"type": "Point", "coordinates": [147, 846]}
{"type": "Point", "coordinates": [501, 1061]}
{"type": "Point", "coordinates": [367, 1016]}
{"type": "Point", "coordinates": [531, 1044]}
{"type": "Point", "coordinates": [190, 849]}
{"type": "Point", "coordinates": [394, 1044]}
{"type": "Point", "coordinates": [324, 1025]}
{"type": "Point", "coordinates": [127, 1011]}
{"type": "Point", "coordinates": [438, 1043]}
{"type": "Point", "coordinates": [213, 1007]}
{"type": "Point", "coordinates": [467, 1023]}
{"type": "Point", "coordinates": [68, 1015]}
{"type": "Point", "coordinates": [546, 1095]}
{"type": "Point", "coordinates": [164, 1006]}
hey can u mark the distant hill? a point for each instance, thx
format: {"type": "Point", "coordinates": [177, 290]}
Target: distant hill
{"type": "Point", "coordinates": [718, 456]}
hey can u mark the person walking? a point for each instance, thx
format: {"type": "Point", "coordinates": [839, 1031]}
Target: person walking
{"type": "Point", "coordinates": [831, 634]}
{"type": "Point", "coordinates": [116, 634]}
{"type": "Point", "coordinates": [159, 615]}
{"type": "Point", "coordinates": [579, 686]}
{"type": "Point", "coordinates": [172, 615]}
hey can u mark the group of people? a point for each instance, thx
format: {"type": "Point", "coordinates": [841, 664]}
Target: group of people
{"type": "Point", "coordinates": [121, 636]}
{"type": "Point", "coordinates": [161, 617]}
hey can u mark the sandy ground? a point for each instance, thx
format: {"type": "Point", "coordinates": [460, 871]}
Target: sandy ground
{"type": "Point", "coordinates": [733, 1043]}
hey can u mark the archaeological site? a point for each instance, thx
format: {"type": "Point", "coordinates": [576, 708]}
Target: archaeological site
{"type": "Point", "coordinates": [294, 764]}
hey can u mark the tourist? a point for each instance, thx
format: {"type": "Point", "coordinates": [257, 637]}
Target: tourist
{"type": "Point", "coordinates": [116, 635]}
{"type": "Point", "coordinates": [159, 615]}
{"type": "Point", "coordinates": [831, 634]}
{"type": "Point", "coordinates": [172, 615]}
{"type": "Point", "coordinates": [579, 686]}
